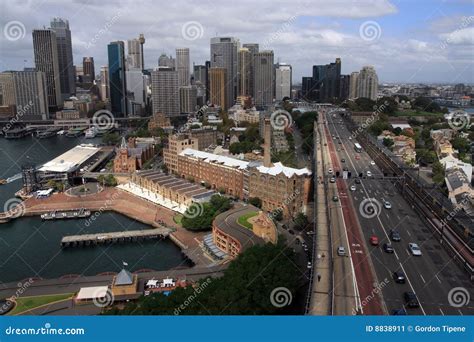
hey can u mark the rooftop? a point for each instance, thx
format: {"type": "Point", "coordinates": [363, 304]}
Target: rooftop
{"type": "Point", "coordinates": [70, 160]}
{"type": "Point", "coordinates": [92, 292]}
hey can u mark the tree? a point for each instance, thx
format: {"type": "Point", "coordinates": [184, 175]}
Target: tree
{"type": "Point", "coordinates": [199, 216]}
{"type": "Point", "coordinates": [301, 221]}
{"type": "Point", "coordinates": [256, 202]}
{"type": "Point", "coordinates": [277, 214]}
{"type": "Point", "coordinates": [438, 172]}
{"type": "Point", "coordinates": [111, 138]}
{"type": "Point", "coordinates": [388, 142]}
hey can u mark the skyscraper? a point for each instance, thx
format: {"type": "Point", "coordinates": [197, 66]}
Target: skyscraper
{"type": "Point", "coordinates": [245, 61]}
{"type": "Point", "coordinates": [353, 85]}
{"type": "Point", "coordinates": [367, 83]}
{"type": "Point", "coordinates": [283, 81]}
{"type": "Point", "coordinates": [88, 69]}
{"type": "Point", "coordinates": [104, 83]}
{"type": "Point", "coordinates": [117, 79]}
{"type": "Point", "coordinates": [224, 55]}
{"type": "Point", "coordinates": [263, 75]}
{"type": "Point", "coordinates": [165, 91]}
{"type": "Point", "coordinates": [345, 84]}
{"type": "Point", "coordinates": [187, 99]}
{"type": "Point", "coordinates": [135, 58]}
{"type": "Point", "coordinates": [166, 61]}
{"type": "Point", "coordinates": [253, 49]}
{"type": "Point", "coordinates": [65, 57]}
{"type": "Point", "coordinates": [218, 88]}
{"type": "Point", "coordinates": [182, 66]}
{"type": "Point", "coordinates": [326, 80]}
{"type": "Point", "coordinates": [46, 60]}
{"type": "Point", "coordinates": [27, 91]}
{"type": "Point", "coordinates": [201, 75]}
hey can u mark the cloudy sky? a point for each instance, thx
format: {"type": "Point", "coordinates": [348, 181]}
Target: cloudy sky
{"type": "Point", "coordinates": [406, 40]}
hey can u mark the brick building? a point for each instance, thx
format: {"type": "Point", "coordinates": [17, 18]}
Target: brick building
{"type": "Point", "coordinates": [131, 157]}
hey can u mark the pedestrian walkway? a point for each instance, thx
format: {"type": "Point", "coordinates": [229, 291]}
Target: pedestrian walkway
{"type": "Point", "coordinates": [321, 299]}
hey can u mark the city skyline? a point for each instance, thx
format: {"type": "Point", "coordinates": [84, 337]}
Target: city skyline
{"type": "Point", "coordinates": [386, 34]}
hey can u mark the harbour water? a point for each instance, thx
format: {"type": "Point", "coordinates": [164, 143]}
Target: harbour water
{"type": "Point", "coordinates": [30, 247]}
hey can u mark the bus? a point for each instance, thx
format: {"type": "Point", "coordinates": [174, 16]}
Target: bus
{"type": "Point", "coordinates": [357, 147]}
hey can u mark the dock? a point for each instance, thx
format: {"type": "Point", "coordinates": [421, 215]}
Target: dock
{"type": "Point", "coordinates": [114, 237]}
{"type": "Point", "coordinates": [67, 214]}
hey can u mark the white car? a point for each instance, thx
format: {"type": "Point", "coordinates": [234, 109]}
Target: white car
{"type": "Point", "coordinates": [333, 180]}
{"type": "Point", "coordinates": [353, 188]}
{"type": "Point", "coordinates": [369, 174]}
{"type": "Point", "coordinates": [341, 251]}
{"type": "Point", "coordinates": [387, 205]}
{"type": "Point", "coordinates": [330, 171]}
{"type": "Point", "coordinates": [372, 162]}
{"type": "Point", "coordinates": [309, 265]}
{"type": "Point", "coordinates": [414, 249]}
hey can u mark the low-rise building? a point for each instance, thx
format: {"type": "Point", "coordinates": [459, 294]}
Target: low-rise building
{"type": "Point", "coordinates": [132, 156]}
{"type": "Point", "coordinates": [458, 185]}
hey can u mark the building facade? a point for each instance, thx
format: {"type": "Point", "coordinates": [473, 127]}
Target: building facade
{"type": "Point", "coordinates": [283, 74]}
{"type": "Point", "coordinates": [88, 69]}
{"type": "Point", "coordinates": [367, 83]}
{"type": "Point", "coordinates": [263, 76]}
{"type": "Point", "coordinates": [218, 87]}
{"type": "Point", "coordinates": [188, 99]}
{"type": "Point", "coordinates": [165, 91]}
{"type": "Point", "coordinates": [224, 55]}
{"type": "Point", "coordinates": [117, 79]}
{"type": "Point", "coordinates": [131, 157]}
{"type": "Point", "coordinates": [182, 66]}
{"type": "Point", "coordinates": [176, 144]}
{"type": "Point", "coordinates": [244, 74]}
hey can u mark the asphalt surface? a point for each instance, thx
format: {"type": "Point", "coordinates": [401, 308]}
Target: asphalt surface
{"type": "Point", "coordinates": [431, 276]}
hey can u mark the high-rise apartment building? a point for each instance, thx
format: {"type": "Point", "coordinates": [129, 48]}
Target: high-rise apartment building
{"type": "Point", "coordinates": [27, 91]}
{"type": "Point", "coordinates": [224, 55]}
{"type": "Point", "coordinates": [65, 57]}
{"type": "Point", "coordinates": [353, 85]}
{"type": "Point", "coordinates": [218, 88]}
{"type": "Point", "coordinates": [283, 81]}
{"type": "Point", "coordinates": [46, 60]}
{"type": "Point", "coordinates": [182, 66]}
{"type": "Point", "coordinates": [367, 83]}
{"type": "Point", "coordinates": [88, 69]}
{"type": "Point", "coordinates": [165, 91]}
{"type": "Point", "coordinates": [187, 99]}
{"type": "Point", "coordinates": [117, 79]}
{"type": "Point", "coordinates": [263, 75]}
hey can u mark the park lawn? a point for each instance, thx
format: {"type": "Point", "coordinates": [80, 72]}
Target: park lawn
{"type": "Point", "coordinates": [177, 218]}
{"type": "Point", "coordinates": [27, 303]}
{"type": "Point", "coordinates": [243, 220]}
{"type": "Point", "coordinates": [414, 113]}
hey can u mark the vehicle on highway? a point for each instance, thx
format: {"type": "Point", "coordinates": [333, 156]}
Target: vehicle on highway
{"type": "Point", "coordinates": [387, 204]}
{"type": "Point", "coordinates": [399, 277]}
{"type": "Point", "coordinates": [343, 160]}
{"type": "Point", "coordinates": [335, 199]}
{"type": "Point", "coordinates": [341, 251]}
{"type": "Point", "coordinates": [399, 312]}
{"type": "Point", "coordinates": [350, 138]}
{"type": "Point", "coordinates": [353, 188]}
{"type": "Point", "coordinates": [291, 232]}
{"type": "Point", "coordinates": [414, 249]}
{"type": "Point", "coordinates": [357, 157]}
{"type": "Point", "coordinates": [411, 300]}
{"type": "Point", "coordinates": [369, 174]}
{"type": "Point", "coordinates": [309, 265]}
{"type": "Point", "coordinates": [395, 235]}
{"type": "Point", "coordinates": [357, 147]}
{"type": "Point", "coordinates": [374, 240]}
{"type": "Point", "coordinates": [357, 181]}
{"type": "Point", "coordinates": [330, 171]}
{"type": "Point", "coordinates": [333, 180]}
{"type": "Point", "coordinates": [387, 247]}
{"type": "Point", "coordinates": [372, 162]}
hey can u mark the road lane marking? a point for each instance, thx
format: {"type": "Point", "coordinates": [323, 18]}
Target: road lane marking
{"type": "Point", "coordinates": [437, 278]}
{"type": "Point", "coordinates": [441, 311]}
{"type": "Point", "coordinates": [408, 232]}
{"type": "Point", "coordinates": [422, 278]}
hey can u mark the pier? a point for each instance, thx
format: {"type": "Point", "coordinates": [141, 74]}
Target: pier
{"type": "Point", "coordinates": [114, 237]}
{"type": "Point", "coordinates": [68, 214]}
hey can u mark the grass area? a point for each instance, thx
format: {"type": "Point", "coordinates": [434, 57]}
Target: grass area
{"type": "Point", "coordinates": [27, 303]}
{"type": "Point", "coordinates": [243, 220]}
{"type": "Point", "coordinates": [177, 218]}
{"type": "Point", "coordinates": [414, 113]}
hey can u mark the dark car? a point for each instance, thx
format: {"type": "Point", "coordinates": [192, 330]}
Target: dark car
{"type": "Point", "coordinates": [343, 160]}
{"type": "Point", "coordinates": [399, 277]}
{"type": "Point", "coordinates": [357, 181]}
{"type": "Point", "coordinates": [411, 300]}
{"type": "Point", "coordinates": [395, 235]}
{"type": "Point", "coordinates": [399, 312]}
{"type": "Point", "coordinates": [387, 248]}
{"type": "Point", "coordinates": [291, 232]}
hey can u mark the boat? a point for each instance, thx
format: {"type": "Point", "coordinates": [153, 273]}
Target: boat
{"type": "Point", "coordinates": [91, 133]}
{"type": "Point", "coordinates": [61, 132]}
{"type": "Point", "coordinates": [46, 134]}
{"type": "Point", "coordinates": [3, 181]}
{"type": "Point", "coordinates": [74, 132]}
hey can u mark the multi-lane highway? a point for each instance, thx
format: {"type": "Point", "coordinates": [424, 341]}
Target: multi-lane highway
{"type": "Point", "coordinates": [431, 276]}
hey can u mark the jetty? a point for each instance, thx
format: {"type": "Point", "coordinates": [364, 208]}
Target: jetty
{"type": "Point", "coordinates": [114, 237]}
{"type": "Point", "coordinates": [67, 214]}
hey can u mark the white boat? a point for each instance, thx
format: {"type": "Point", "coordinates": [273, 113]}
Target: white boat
{"type": "Point", "coordinates": [91, 133]}
{"type": "Point", "coordinates": [61, 132]}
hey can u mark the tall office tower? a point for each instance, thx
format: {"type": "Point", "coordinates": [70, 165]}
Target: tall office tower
{"type": "Point", "coordinates": [135, 58]}
{"type": "Point", "coordinates": [353, 85]}
{"type": "Point", "coordinates": [46, 60]}
{"type": "Point", "coordinates": [326, 80]}
{"type": "Point", "coordinates": [344, 85]}
{"type": "Point", "coordinates": [65, 57]}
{"type": "Point", "coordinates": [308, 91]}
{"type": "Point", "coordinates": [88, 69]}
{"type": "Point", "coordinates": [201, 74]}
{"type": "Point", "coordinates": [253, 48]}
{"type": "Point", "coordinates": [367, 83]}
{"type": "Point", "coordinates": [218, 86]}
{"type": "Point", "coordinates": [141, 39]}
{"type": "Point", "coordinates": [263, 75]}
{"type": "Point", "coordinates": [182, 66]}
{"type": "Point", "coordinates": [104, 83]}
{"type": "Point", "coordinates": [245, 60]}
{"type": "Point", "coordinates": [224, 55]}
{"type": "Point", "coordinates": [187, 99]}
{"type": "Point", "coordinates": [27, 91]}
{"type": "Point", "coordinates": [208, 80]}
{"type": "Point", "coordinates": [166, 61]}
{"type": "Point", "coordinates": [283, 81]}
{"type": "Point", "coordinates": [117, 79]}
{"type": "Point", "coordinates": [136, 86]}
{"type": "Point", "coordinates": [165, 91]}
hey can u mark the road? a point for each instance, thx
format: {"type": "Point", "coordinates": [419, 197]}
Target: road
{"type": "Point", "coordinates": [433, 275]}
